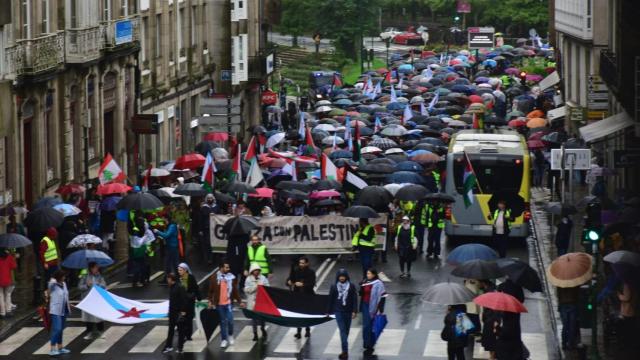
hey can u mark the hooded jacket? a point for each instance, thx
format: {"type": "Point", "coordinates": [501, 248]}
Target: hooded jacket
{"type": "Point", "coordinates": [336, 305]}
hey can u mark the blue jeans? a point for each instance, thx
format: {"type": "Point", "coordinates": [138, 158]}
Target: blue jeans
{"type": "Point", "coordinates": [569, 317]}
{"type": "Point", "coordinates": [366, 259]}
{"type": "Point", "coordinates": [344, 324]}
{"type": "Point", "coordinates": [57, 326]}
{"type": "Point", "coordinates": [367, 327]}
{"type": "Point", "coordinates": [226, 321]}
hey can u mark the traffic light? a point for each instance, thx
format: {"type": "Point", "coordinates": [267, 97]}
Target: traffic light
{"type": "Point", "coordinates": [523, 78]}
{"type": "Point", "coordinates": [592, 235]}
{"type": "Point", "coordinates": [456, 19]}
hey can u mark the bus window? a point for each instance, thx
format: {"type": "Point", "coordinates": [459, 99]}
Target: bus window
{"type": "Point", "coordinates": [494, 174]}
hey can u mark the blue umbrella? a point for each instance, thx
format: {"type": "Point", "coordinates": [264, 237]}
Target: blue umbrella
{"type": "Point", "coordinates": [109, 203]}
{"type": "Point", "coordinates": [343, 102]}
{"type": "Point", "coordinates": [433, 141]}
{"type": "Point", "coordinates": [409, 166]}
{"type": "Point", "coordinates": [490, 63]}
{"type": "Point", "coordinates": [379, 323]}
{"type": "Point", "coordinates": [67, 209]}
{"type": "Point", "coordinates": [401, 177]}
{"type": "Point", "coordinates": [48, 201]}
{"type": "Point", "coordinates": [467, 252]}
{"type": "Point", "coordinates": [80, 259]}
{"type": "Point", "coordinates": [395, 106]}
{"type": "Point", "coordinates": [418, 152]}
{"type": "Point", "coordinates": [405, 68]}
{"type": "Point", "coordinates": [340, 154]}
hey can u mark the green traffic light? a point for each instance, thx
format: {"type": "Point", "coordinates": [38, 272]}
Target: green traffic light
{"type": "Point", "coordinates": [456, 18]}
{"type": "Point", "coordinates": [589, 307]}
{"type": "Point", "coordinates": [593, 235]}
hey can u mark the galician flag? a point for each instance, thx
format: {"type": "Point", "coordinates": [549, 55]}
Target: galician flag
{"type": "Point", "coordinates": [423, 110]}
{"type": "Point", "coordinates": [301, 127]}
{"type": "Point", "coordinates": [110, 171]}
{"type": "Point", "coordinates": [394, 97]}
{"type": "Point", "coordinates": [208, 173]}
{"type": "Point", "coordinates": [408, 114]}
{"type": "Point", "coordinates": [115, 309]}
{"type": "Point", "coordinates": [469, 181]}
{"type": "Point", "coordinates": [377, 126]}
{"type": "Point", "coordinates": [328, 168]}
{"type": "Point", "coordinates": [347, 133]}
{"type": "Point", "coordinates": [434, 101]}
{"type": "Point", "coordinates": [236, 166]}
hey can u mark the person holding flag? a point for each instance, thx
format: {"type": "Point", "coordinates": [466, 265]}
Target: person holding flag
{"type": "Point", "coordinates": [110, 171]}
{"type": "Point", "coordinates": [208, 173]}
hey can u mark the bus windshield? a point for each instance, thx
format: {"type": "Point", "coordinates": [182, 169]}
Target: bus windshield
{"type": "Point", "coordinates": [503, 173]}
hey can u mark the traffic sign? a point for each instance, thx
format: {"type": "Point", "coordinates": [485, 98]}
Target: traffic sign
{"type": "Point", "coordinates": [269, 97]}
{"type": "Point", "coordinates": [597, 94]}
{"type": "Point", "coordinates": [481, 37]}
{"type": "Point", "coordinates": [579, 158]}
{"type": "Point", "coordinates": [226, 75]}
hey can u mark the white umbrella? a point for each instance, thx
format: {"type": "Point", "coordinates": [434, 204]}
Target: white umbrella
{"type": "Point", "coordinates": [323, 108]}
{"type": "Point", "coordinates": [157, 172]}
{"type": "Point", "coordinates": [394, 151]}
{"type": "Point", "coordinates": [67, 209]}
{"type": "Point", "coordinates": [330, 139]}
{"type": "Point", "coordinates": [220, 154]}
{"type": "Point", "coordinates": [325, 127]}
{"type": "Point", "coordinates": [370, 149]}
{"type": "Point", "coordinates": [275, 139]}
{"type": "Point", "coordinates": [394, 130]}
{"type": "Point", "coordinates": [323, 103]}
{"type": "Point", "coordinates": [393, 188]}
{"type": "Point", "coordinates": [402, 100]}
{"type": "Point", "coordinates": [417, 99]}
{"type": "Point", "coordinates": [84, 239]}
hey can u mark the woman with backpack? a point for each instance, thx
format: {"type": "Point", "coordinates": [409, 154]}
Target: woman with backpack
{"type": "Point", "coordinates": [457, 328]}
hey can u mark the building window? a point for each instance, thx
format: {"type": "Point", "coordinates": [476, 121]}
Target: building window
{"type": "Point", "coordinates": [194, 35]}
{"type": "Point", "coordinates": [51, 135]}
{"type": "Point", "coordinates": [25, 13]}
{"type": "Point", "coordinates": [3, 165]}
{"type": "Point", "coordinates": [45, 17]}
{"type": "Point", "coordinates": [106, 10]}
{"type": "Point", "coordinates": [73, 14]}
{"type": "Point", "coordinates": [158, 47]}
{"type": "Point", "coordinates": [179, 25]}
{"type": "Point", "coordinates": [124, 8]}
{"type": "Point", "coordinates": [143, 39]}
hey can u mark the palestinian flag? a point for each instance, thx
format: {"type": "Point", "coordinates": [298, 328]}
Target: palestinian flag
{"type": "Point", "coordinates": [357, 156]}
{"type": "Point", "coordinates": [251, 149]}
{"type": "Point", "coordinates": [284, 308]}
{"type": "Point", "coordinates": [236, 165]}
{"type": "Point", "coordinates": [469, 181]}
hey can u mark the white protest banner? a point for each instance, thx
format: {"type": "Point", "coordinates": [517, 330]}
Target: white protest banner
{"type": "Point", "coordinates": [327, 234]}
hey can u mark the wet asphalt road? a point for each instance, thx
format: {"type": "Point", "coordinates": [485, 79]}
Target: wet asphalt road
{"type": "Point", "coordinates": [413, 331]}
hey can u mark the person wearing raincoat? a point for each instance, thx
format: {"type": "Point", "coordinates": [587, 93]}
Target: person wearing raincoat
{"type": "Point", "coordinates": [251, 283]}
{"type": "Point", "coordinates": [343, 303]}
{"type": "Point", "coordinates": [93, 277]}
{"type": "Point", "coordinates": [372, 300]}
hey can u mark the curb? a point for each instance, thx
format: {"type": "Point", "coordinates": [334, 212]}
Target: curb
{"type": "Point", "coordinates": [19, 320]}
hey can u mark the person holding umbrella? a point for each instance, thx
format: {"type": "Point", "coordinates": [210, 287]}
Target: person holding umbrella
{"type": "Point", "coordinates": [92, 278]}
{"type": "Point", "coordinates": [49, 253]}
{"type": "Point", "coordinates": [406, 244]}
{"type": "Point", "coordinates": [251, 283]}
{"type": "Point", "coordinates": [372, 301]}
{"type": "Point", "coordinates": [502, 219]}
{"type": "Point", "coordinates": [192, 293]}
{"type": "Point", "coordinates": [363, 241]}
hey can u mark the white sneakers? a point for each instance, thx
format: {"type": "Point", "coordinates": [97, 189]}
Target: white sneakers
{"type": "Point", "coordinates": [231, 341]}
{"type": "Point", "coordinates": [224, 344]}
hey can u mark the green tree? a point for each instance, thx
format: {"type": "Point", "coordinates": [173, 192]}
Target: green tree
{"type": "Point", "coordinates": [517, 16]}
{"type": "Point", "coordinates": [296, 16]}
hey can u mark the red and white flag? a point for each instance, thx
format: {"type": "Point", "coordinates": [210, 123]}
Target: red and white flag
{"type": "Point", "coordinates": [328, 169]}
{"type": "Point", "coordinates": [110, 171]}
{"type": "Point", "coordinates": [236, 166]}
{"type": "Point", "coordinates": [208, 172]}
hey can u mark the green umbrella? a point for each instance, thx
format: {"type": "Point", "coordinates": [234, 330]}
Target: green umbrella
{"type": "Point", "coordinates": [337, 112]}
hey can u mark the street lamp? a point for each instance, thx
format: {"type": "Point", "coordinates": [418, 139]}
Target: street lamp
{"type": "Point", "coordinates": [387, 43]}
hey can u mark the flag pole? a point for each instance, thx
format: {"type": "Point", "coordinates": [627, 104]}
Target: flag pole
{"type": "Point", "coordinates": [473, 171]}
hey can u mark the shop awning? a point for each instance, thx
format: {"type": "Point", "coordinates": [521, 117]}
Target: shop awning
{"type": "Point", "coordinates": [607, 126]}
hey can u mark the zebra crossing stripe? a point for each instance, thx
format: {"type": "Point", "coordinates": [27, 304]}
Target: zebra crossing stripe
{"type": "Point", "coordinates": [289, 344]}
{"type": "Point", "coordinates": [435, 347]}
{"type": "Point", "coordinates": [69, 334]}
{"type": "Point", "coordinates": [110, 337]}
{"type": "Point", "coordinates": [152, 340]}
{"type": "Point", "coordinates": [390, 342]}
{"type": "Point", "coordinates": [335, 345]}
{"type": "Point", "coordinates": [16, 340]}
{"type": "Point", "coordinates": [244, 341]}
{"type": "Point", "coordinates": [198, 343]}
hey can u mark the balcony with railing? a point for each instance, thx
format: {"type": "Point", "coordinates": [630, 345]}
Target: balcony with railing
{"type": "Point", "coordinates": [609, 69]}
{"type": "Point", "coordinates": [574, 17]}
{"type": "Point", "coordinates": [35, 56]}
{"type": "Point", "coordinates": [121, 33]}
{"type": "Point", "coordinates": [83, 45]}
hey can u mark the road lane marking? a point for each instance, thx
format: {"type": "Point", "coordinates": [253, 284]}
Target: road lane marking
{"type": "Point", "coordinates": [383, 277]}
{"type": "Point", "coordinates": [199, 342]}
{"type": "Point", "coordinates": [70, 333]}
{"type": "Point", "coordinates": [324, 275]}
{"type": "Point", "coordinates": [18, 339]}
{"type": "Point", "coordinates": [108, 339]}
{"type": "Point", "coordinates": [113, 285]}
{"type": "Point", "coordinates": [416, 326]}
{"type": "Point", "coordinates": [390, 342]}
{"type": "Point", "coordinates": [155, 276]}
{"type": "Point", "coordinates": [152, 340]}
{"type": "Point", "coordinates": [335, 345]}
{"type": "Point", "coordinates": [289, 344]}
{"type": "Point", "coordinates": [435, 347]}
{"type": "Point", "coordinates": [244, 342]}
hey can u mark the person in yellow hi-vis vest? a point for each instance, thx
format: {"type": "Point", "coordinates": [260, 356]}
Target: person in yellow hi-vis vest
{"type": "Point", "coordinates": [364, 242]}
{"type": "Point", "coordinates": [435, 223]}
{"type": "Point", "coordinates": [257, 253]}
{"type": "Point", "coordinates": [502, 219]}
{"type": "Point", "coordinates": [49, 253]}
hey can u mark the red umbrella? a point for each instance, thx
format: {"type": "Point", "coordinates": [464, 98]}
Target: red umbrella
{"type": "Point", "coordinates": [112, 188]}
{"type": "Point", "coordinates": [537, 135]}
{"type": "Point", "coordinates": [263, 193]}
{"type": "Point", "coordinates": [500, 302]}
{"type": "Point", "coordinates": [190, 161]}
{"type": "Point", "coordinates": [324, 194]}
{"type": "Point", "coordinates": [475, 99]}
{"type": "Point", "coordinates": [71, 189]}
{"type": "Point", "coordinates": [517, 123]}
{"type": "Point", "coordinates": [536, 144]}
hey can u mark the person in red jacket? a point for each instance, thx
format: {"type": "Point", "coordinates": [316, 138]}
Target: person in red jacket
{"type": "Point", "coordinates": [49, 253]}
{"type": "Point", "coordinates": [7, 265]}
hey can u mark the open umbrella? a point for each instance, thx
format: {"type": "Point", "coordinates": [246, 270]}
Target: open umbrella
{"type": "Point", "coordinates": [322, 194]}
{"type": "Point", "coordinates": [327, 184]}
{"type": "Point", "coordinates": [156, 172]}
{"type": "Point", "coordinates": [47, 202]}
{"type": "Point", "coordinates": [393, 130]}
{"type": "Point", "coordinates": [263, 192]}
{"type": "Point", "coordinates": [513, 200]}
{"type": "Point", "coordinates": [623, 257]}
{"type": "Point", "coordinates": [190, 161]}
{"type": "Point", "coordinates": [411, 192]}
{"type": "Point", "coordinates": [224, 198]}
{"type": "Point", "coordinates": [68, 209]}
{"type": "Point", "coordinates": [409, 166]}
{"type": "Point", "coordinates": [383, 143]}
{"type": "Point", "coordinates": [275, 139]}
{"type": "Point", "coordinates": [240, 225]}
{"type": "Point", "coordinates": [400, 177]}
{"type": "Point", "coordinates": [13, 240]}
{"type": "Point", "coordinates": [71, 188]}
{"type": "Point", "coordinates": [110, 203]}
{"type": "Point", "coordinates": [447, 293]}
{"type": "Point", "coordinates": [478, 269]}
{"type": "Point", "coordinates": [467, 252]}
{"type": "Point", "coordinates": [446, 198]}
{"type": "Point", "coordinates": [360, 211]}
{"type": "Point", "coordinates": [139, 201]}
{"type": "Point", "coordinates": [112, 188]}
{"type": "Point", "coordinates": [570, 270]}
{"type": "Point", "coordinates": [558, 208]}
{"type": "Point", "coordinates": [500, 301]}
{"type": "Point", "coordinates": [536, 144]}
{"type": "Point", "coordinates": [239, 187]}
{"type": "Point", "coordinates": [40, 220]}
{"type": "Point", "coordinates": [291, 185]}
{"type": "Point", "coordinates": [376, 197]}
{"type": "Point", "coordinates": [294, 194]}
{"type": "Point", "coordinates": [83, 239]}
{"type": "Point", "coordinates": [190, 189]}
{"type": "Point", "coordinates": [521, 273]}
{"type": "Point", "coordinates": [536, 123]}
{"type": "Point", "coordinates": [326, 202]}
{"type": "Point", "coordinates": [80, 259]}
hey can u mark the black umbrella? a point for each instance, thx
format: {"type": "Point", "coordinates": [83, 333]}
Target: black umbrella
{"type": "Point", "coordinates": [376, 197]}
{"type": "Point", "coordinates": [521, 273]}
{"type": "Point", "coordinates": [327, 202]}
{"type": "Point", "coordinates": [513, 201]}
{"type": "Point", "coordinates": [384, 160]}
{"type": "Point", "coordinates": [240, 225]}
{"type": "Point", "coordinates": [47, 202]}
{"type": "Point", "coordinates": [371, 168]}
{"type": "Point", "coordinates": [160, 193]}
{"type": "Point", "coordinates": [190, 189]}
{"type": "Point", "coordinates": [440, 197]}
{"type": "Point", "coordinates": [139, 201]}
{"type": "Point", "coordinates": [41, 219]}
{"type": "Point", "coordinates": [221, 197]}
{"type": "Point", "coordinates": [240, 187]}
{"type": "Point", "coordinates": [359, 211]}
{"type": "Point", "coordinates": [327, 184]}
{"type": "Point", "coordinates": [294, 185]}
{"type": "Point", "coordinates": [478, 269]}
{"type": "Point", "coordinates": [295, 194]}
{"type": "Point", "coordinates": [560, 209]}
{"type": "Point", "coordinates": [411, 192]}
{"type": "Point", "coordinates": [13, 240]}
{"type": "Point", "coordinates": [210, 319]}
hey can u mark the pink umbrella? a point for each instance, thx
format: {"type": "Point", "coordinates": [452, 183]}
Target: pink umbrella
{"type": "Point", "coordinates": [263, 193]}
{"type": "Point", "coordinates": [534, 77]}
{"type": "Point", "coordinates": [512, 71]}
{"type": "Point", "coordinates": [324, 194]}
